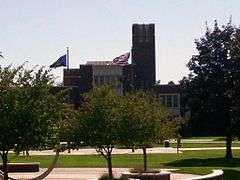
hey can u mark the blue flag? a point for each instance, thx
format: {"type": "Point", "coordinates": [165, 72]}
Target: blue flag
{"type": "Point", "coordinates": [62, 61]}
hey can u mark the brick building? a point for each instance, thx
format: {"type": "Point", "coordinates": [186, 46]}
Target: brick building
{"type": "Point", "coordinates": [170, 95]}
{"type": "Point", "coordinates": [141, 74]}
{"type": "Point", "coordinates": [143, 55]}
{"type": "Point", "coordinates": [98, 73]}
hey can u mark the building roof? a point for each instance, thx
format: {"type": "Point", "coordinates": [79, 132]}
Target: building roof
{"type": "Point", "coordinates": [167, 88]}
{"type": "Point", "coordinates": [100, 63]}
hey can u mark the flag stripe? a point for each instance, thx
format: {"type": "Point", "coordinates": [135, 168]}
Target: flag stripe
{"type": "Point", "coordinates": [122, 59]}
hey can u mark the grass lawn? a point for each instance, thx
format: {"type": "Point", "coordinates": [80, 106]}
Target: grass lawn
{"type": "Point", "coordinates": [207, 137]}
{"type": "Point", "coordinates": [196, 162]}
{"type": "Point", "coordinates": [200, 145]}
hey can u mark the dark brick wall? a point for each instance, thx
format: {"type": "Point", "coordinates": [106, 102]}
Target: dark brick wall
{"type": "Point", "coordinates": [78, 81]}
{"type": "Point", "coordinates": [86, 78]}
{"type": "Point", "coordinates": [127, 78]}
{"type": "Point", "coordinates": [143, 55]}
{"type": "Point", "coordinates": [71, 77]}
{"type": "Point", "coordinates": [81, 78]}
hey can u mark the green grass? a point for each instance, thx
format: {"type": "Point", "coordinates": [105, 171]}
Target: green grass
{"type": "Point", "coordinates": [200, 145]}
{"type": "Point", "coordinates": [207, 137]}
{"type": "Point", "coordinates": [212, 138]}
{"type": "Point", "coordinates": [195, 162]}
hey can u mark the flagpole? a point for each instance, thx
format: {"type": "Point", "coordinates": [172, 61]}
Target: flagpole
{"type": "Point", "coordinates": [67, 57]}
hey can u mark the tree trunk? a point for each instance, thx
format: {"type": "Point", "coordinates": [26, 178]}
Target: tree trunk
{"type": "Point", "coordinates": [68, 145]}
{"type": "Point", "coordinates": [27, 152]}
{"type": "Point", "coordinates": [228, 146]}
{"type": "Point", "coordinates": [5, 168]}
{"type": "Point", "coordinates": [109, 161]}
{"type": "Point", "coordinates": [144, 159]}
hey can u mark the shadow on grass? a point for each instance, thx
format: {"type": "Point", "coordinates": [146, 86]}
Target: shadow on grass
{"type": "Point", "coordinates": [209, 162]}
{"type": "Point", "coordinates": [230, 174]}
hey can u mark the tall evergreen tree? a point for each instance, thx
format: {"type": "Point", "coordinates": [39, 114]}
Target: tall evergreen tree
{"type": "Point", "coordinates": [213, 82]}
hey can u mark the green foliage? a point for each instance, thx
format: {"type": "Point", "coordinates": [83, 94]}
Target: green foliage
{"type": "Point", "coordinates": [133, 120]}
{"type": "Point", "coordinates": [28, 112]}
{"type": "Point", "coordinates": [98, 122]}
{"type": "Point", "coordinates": [214, 82]}
{"type": "Point", "coordinates": [143, 120]}
{"type": "Point", "coordinates": [98, 118]}
{"type": "Point", "coordinates": [66, 123]}
{"type": "Point", "coordinates": [213, 85]}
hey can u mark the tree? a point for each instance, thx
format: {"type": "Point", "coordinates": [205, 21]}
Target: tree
{"type": "Point", "coordinates": [97, 124]}
{"type": "Point", "coordinates": [106, 120]}
{"type": "Point", "coordinates": [28, 112]}
{"type": "Point", "coordinates": [66, 123]}
{"type": "Point", "coordinates": [213, 84]}
{"type": "Point", "coordinates": [143, 122]}
{"type": "Point", "coordinates": [233, 80]}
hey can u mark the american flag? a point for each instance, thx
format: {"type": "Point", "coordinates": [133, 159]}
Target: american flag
{"type": "Point", "coordinates": [122, 59]}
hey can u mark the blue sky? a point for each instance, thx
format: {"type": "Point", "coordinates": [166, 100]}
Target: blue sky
{"type": "Point", "coordinates": [39, 31]}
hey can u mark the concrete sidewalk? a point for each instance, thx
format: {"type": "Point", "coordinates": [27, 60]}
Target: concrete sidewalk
{"type": "Point", "coordinates": [155, 150]}
{"type": "Point", "coordinates": [86, 173]}
{"type": "Point", "coordinates": [91, 151]}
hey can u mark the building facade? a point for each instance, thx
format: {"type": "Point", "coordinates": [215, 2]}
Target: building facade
{"type": "Point", "coordinates": [143, 55]}
{"type": "Point", "coordinates": [170, 95]}
{"type": "Point", "coordinates": [98, 73]}
{"type": "Point", "coordinates": [140, 75]}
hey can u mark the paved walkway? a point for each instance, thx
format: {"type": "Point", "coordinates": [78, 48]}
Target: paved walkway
{"type": "Point", "coordinates": [155, 150]}
{"type": "Point", "coordinates": [86, 173]}
{"type": "Point", "coordinates": [91, 151]}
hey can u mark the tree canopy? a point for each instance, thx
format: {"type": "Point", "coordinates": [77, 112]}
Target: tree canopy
{"type": "Point", "coordinates": [98, 122]}
{"type": "Point", "coordinates": [144, 122]}
{"type": "Point", "coordinates": [213, 82]}
{"type": "Point", "coordinates": [134, 120]}
{"type": "Point", "coordinates": [28, 112]}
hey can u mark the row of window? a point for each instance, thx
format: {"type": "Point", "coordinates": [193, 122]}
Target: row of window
{"type": "Point", "coordinates": [107, 80]}
{"type": "Point", "coordinates": [170, 100]}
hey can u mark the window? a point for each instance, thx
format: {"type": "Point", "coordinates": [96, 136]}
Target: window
{"type": "Point", "coordinates": [169, 101]}
{"type": "Point", "coordinates": [175, 100]}
{"type": "Point", "coordinates": [163, 99]}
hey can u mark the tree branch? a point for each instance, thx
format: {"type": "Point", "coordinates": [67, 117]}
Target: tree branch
{"type": "Point", "coordinates": [99, 150]}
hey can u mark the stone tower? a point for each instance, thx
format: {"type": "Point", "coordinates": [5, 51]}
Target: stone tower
{"type": "Point", "coordinates": [143, 55]}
